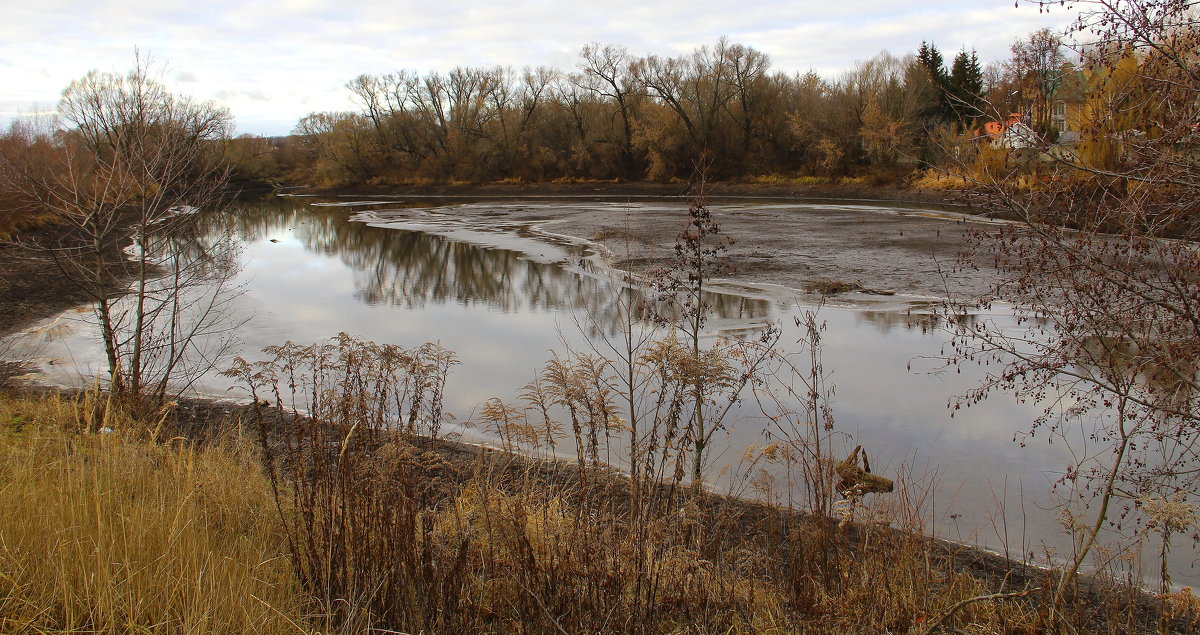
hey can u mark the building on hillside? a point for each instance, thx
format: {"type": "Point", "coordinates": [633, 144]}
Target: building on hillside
{"type": "Point", "coordinates": [1056, 121]}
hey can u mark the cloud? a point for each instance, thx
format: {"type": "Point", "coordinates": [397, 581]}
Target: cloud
{"type": "Point", "coordinates": [284, 59]}
{"type": "Point", "coordinates": [236, 95]}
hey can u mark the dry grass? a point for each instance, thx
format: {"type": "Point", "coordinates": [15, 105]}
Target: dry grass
{"type": "Point", "coordinates": [403, 533]}
{"type": "Point", "coordinates": [507, 544]}
{"type": "Point", "coordinates": [13, 225]}
{"type": "Point", "coordinates": [986, 171]}
{"type": "Point", "coordinates": [779, 179]}
{"type": "Point", "coordinates": [580, 180]}
{"type": "Point", "coordinates": [397, 532]}
{"type": "Point", "coordinates": [941, 180]}
{"type": "Point", "coordinates": [830, 286]}
{"type": "Point", "coordinates": [107, 533]}
{"type": "Point", "coordinates": [112, 532]}
{"type": "Point", "coordinates": [102, 532]}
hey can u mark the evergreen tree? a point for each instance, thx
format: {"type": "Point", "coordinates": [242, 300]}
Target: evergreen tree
{"type": "Point", "coordinates": [931, 58]}
{"type": "Point", "coordinates": [965, 86]}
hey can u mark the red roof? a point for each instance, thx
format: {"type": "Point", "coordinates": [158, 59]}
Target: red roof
{"type": "Point", "coordinates": [995, 127]}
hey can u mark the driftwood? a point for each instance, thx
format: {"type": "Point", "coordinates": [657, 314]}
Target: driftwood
{"type": "Point", "coordinates": [858, 480]}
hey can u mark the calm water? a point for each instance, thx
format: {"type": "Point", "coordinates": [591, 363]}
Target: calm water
{"type": "Point", "coordinates": [503, 296]}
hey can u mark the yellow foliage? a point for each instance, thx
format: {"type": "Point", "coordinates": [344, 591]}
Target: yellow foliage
{"type": "Point", "coordinates": [1114, 107]}
{"type": "Point", "coordinates": [779, 179]}
{"type": "Point", "coordinates": [935, 179]}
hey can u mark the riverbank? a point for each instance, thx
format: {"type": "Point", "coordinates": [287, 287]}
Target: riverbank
{"type": "Point", "coordinates": [800, 189]}
{"type": "Point", "coordinates": [33, 284]}
{"type": "Point", "coordinates": [459, 538]}
{"type": "Point", "coordinates": [36, 281]}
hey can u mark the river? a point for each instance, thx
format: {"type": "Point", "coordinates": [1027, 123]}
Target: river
{"type": "Point", "coordinates": [504, 294]}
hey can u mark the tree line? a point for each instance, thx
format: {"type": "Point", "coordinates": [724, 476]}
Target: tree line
{"type": "Point", "coordinates": [617, 116]}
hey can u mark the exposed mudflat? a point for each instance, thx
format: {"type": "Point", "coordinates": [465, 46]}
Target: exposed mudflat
{"type": "Point", "coordinates": [816, 245]}
{"type": "Point", "coordinates": [34, 282]}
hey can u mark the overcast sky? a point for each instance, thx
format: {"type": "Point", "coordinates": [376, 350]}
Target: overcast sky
{"type": "Point", "coordinates": [272, 63]}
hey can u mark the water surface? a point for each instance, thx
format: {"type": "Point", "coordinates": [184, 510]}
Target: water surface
{"type": "Point", "coordinates": [504, 295]}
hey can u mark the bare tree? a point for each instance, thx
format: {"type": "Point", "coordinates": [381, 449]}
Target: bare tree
{"type": "Point", "coordinates": [607, 71]}
{"type": "Point", "coordinates": [1037, 65]}
{"type": "Point", "coordinates": [1103, 275]}
{"type": "Point", "coordinates": [137, 159]}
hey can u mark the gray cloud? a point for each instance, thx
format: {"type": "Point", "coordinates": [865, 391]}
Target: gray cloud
{"type": "Point", "coordinates": [277, 61]}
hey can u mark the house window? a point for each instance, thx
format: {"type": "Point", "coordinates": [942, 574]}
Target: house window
{"type": "Point", "coordinates": [1059, 115]}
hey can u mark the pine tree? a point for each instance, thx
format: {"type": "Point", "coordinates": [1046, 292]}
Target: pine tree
{"type": "Point", "coordinates": [931, 58]}
{"type": "Point", "coordinates": [965, 86]}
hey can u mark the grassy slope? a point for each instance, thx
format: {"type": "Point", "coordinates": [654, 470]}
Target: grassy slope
{"type": "Point", "coordinates": [118, 533]}
{"type": "Point", "coordinates": [106, 533]}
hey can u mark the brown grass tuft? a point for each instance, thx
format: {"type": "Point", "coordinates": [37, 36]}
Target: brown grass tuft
{"type": "Point", "coordinates": [103, 533]}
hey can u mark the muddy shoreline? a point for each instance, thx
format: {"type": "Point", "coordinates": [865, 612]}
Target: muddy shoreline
{"type": "Point", "coordinates": [793, 192]}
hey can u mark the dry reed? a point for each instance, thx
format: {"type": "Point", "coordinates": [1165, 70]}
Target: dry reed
{"type": "Point", "coordinates": [103, 532]}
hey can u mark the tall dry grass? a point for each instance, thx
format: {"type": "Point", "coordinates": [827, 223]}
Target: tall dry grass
{"type": "Point", "coordinates": [112, 532]}
{"type": "Point", "coordinates": [395, 532]}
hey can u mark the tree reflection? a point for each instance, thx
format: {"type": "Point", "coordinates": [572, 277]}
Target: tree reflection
{"type": "Point", "coordinates": [410, 269]}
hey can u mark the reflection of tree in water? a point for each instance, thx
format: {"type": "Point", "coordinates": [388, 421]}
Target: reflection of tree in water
{"type": "Point", "coordinates": [885, 321]}
{"type": "Point", "coordinates": [915, 318]}
{"type": "Point", "coordinates": [410, 269]}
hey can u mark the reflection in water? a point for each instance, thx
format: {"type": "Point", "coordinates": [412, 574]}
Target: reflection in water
{"type": "Point", "coordinates": [409, 269]}
{"type": "Point", "coordinates": [885, 321]}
